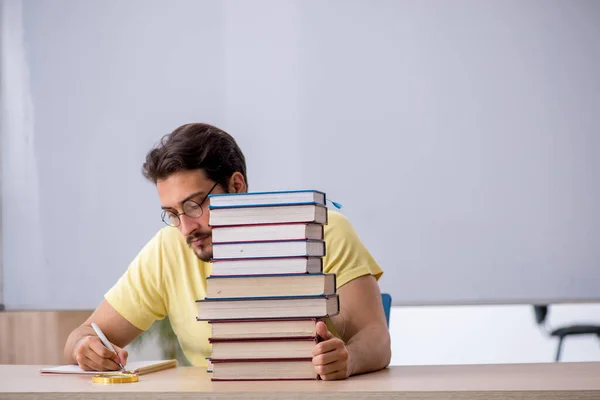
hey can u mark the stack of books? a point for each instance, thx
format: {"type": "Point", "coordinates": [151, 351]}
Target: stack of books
{"type": "Point", "coordinates": [267, 288]}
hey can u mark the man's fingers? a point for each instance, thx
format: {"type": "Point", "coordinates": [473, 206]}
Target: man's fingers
{"type": "Point", "coordinates": [102, 356]}
{"type": "Point", "coordinates": [330, 357]}
{"type": "Point", "coordinates": [322, 331]}
{"type": "Point", "coordinates": [329, 368]}
{"type": "Point", "coordinates": [91, 354]}
{"type": "Point", "coordinates": [88, 364]}
{"type": "Point", "coordinates": [333, 376]}
{"type": "Point", "coordinates": [93, 365]}
{"type": "Point", "coordinates": [107, 364]}
{"type": "Point", "coordinates": [82, 361]}
{"type": "Point", "coordinates": [327, 346]}
{"type": "Point", "coordinates": [122, 355]}
{"type": "Point", "coordinates": [97, 347]}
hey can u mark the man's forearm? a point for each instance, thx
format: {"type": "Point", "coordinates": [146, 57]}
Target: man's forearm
{"type": "Point", "coordinates": [369, 350]}
{"type": "Point", "coordinates": [73, 339]}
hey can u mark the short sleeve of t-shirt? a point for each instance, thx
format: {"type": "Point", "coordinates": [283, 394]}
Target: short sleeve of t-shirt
{"type": "Point", "coordinates": [138, 294]}
{"type": "Point", "coordinates": [346, 255]}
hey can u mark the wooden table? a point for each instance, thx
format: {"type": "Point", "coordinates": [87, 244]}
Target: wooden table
{"type": "Point", "coordinates": [506, 381]}
{"type": "Point", "coordinates": [37, 337]}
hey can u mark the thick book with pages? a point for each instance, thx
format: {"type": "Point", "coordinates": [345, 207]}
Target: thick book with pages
{"type": "Point", "coordinates": [263, 370]}
{"type": "Point", "coordinates": [268, 307]}
{"type": "Point", "coordinates": [269, 249]}
{"type": "Point", "coordinates": [262, 348]}
{"type": "Point", "coordinates": [258, 215]}
{"type": "Point", "coordinates": [268, 265]}
{"type": "Point", "coordinates": [267, 232]}
{"type": "Point", "coordinates": [270, 285]}
{"type": "Point", "coordinates": [264, 328]}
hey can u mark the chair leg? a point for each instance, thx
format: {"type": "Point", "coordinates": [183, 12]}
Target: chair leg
{"type": "Point", "coordinates": [559, 348]}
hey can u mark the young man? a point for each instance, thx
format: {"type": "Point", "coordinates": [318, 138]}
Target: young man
{"type": "Point", "coordinates": [169, 273]}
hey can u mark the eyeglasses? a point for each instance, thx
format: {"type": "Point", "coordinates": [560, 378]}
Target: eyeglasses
{"type": "Point", "coordinates": [190, 208]}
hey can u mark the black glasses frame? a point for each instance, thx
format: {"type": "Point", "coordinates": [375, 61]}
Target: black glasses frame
{"type": "Point", "coordinates": [166, 213]}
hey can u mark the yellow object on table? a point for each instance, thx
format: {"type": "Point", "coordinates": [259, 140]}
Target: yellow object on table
{"type": "Point", "coordinates": [115, 378]}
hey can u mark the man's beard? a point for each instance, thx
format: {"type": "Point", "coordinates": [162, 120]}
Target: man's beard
{"type": "Point", "coordinates": [204, 253]}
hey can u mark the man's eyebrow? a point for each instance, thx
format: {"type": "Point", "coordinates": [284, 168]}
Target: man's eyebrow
{"type": "Point", "coordinates": [191, 196]}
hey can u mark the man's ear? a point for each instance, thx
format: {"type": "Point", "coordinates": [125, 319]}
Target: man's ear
{"type": "Point", "coordinates": [237, 183]}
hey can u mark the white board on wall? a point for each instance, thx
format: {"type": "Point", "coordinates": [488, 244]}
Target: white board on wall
{"type": "Point", "coordinates": [461, 138]}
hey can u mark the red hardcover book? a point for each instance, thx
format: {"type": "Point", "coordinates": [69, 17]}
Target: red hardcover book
{"type": "Point", "coordinates": [264, 370]}
{"type": "Point", "coordinates": [266, 328]}
{"type": "Point", "coordinates": [262, 348]}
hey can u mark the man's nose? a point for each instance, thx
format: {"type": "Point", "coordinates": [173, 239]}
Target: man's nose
{"type": "Point", "coordinates": [188, 224]}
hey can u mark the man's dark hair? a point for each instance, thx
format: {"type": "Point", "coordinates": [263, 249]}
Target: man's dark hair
{"type": "Point", "coordinates": [196, 146]}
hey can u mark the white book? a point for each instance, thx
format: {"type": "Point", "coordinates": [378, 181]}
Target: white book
{"type": "Point", "coordinates": [268, 215]}
{"type": "Point", "coordinates": [265, 266]}
{"type": "Point", "coordinates": [286, 248]}
{"type": "Point", "coordinates": [269, 232]}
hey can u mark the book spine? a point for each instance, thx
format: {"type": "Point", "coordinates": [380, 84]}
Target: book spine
{"type": "Point", "coordinates": [264, 298]}
{"type": "Point", "coordinates": [302, 203]}
{"type": "Point", "coordinates": [213, 321]}
{"type": "Point", "coordinates": [213, 277]}
{"type": "Point", "coordinates": [265, 340]}
{"type": "Point", "coordinates": [253, 360]}
{"type": "Point", "coordinates": [261, 379]}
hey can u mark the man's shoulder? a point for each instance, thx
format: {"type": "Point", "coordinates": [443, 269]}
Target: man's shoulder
{"type": "Point", "coordinates": [337, 224]}
{"type": "Point", "coordinates": [170, 236]}
{"type": "Point", "coordinates": [165, 237]}
{"type": "Point", "coordinates": [345, 253]}
{"type": "Point", "coordinates": [168, 248]}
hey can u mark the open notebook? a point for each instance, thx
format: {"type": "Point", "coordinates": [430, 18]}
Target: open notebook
{"type": "Point", "coordinates": [137, 367]}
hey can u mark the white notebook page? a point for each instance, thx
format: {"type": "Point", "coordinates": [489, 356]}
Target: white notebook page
{"type": "Point", "coordinates": [75, 369]}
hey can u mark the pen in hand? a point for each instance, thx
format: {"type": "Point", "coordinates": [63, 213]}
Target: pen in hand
{"type": "Point", "coordinates": [106, 342]}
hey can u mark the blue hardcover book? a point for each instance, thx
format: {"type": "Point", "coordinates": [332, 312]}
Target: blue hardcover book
{"type": "Point", "coordinates": [274, 198]}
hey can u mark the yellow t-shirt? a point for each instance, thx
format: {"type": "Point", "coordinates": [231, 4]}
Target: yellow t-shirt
{"type": "Point", "coordinates": [166, 278]}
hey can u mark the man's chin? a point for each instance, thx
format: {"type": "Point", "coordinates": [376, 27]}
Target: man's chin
{"type": "Point", "coordinates": [204, 254]}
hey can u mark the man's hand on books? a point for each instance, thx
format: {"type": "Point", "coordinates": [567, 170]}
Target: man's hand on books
{"type": "Point", "coordinates": [92, 355]}
{"type": "Point", "coordinates": [330, 356]}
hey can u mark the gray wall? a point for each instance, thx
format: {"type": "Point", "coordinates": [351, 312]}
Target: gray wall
{"type": "Point", "coordinates": [3, 99]}
{"type": "Point", "coordinates": [461, 137]}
